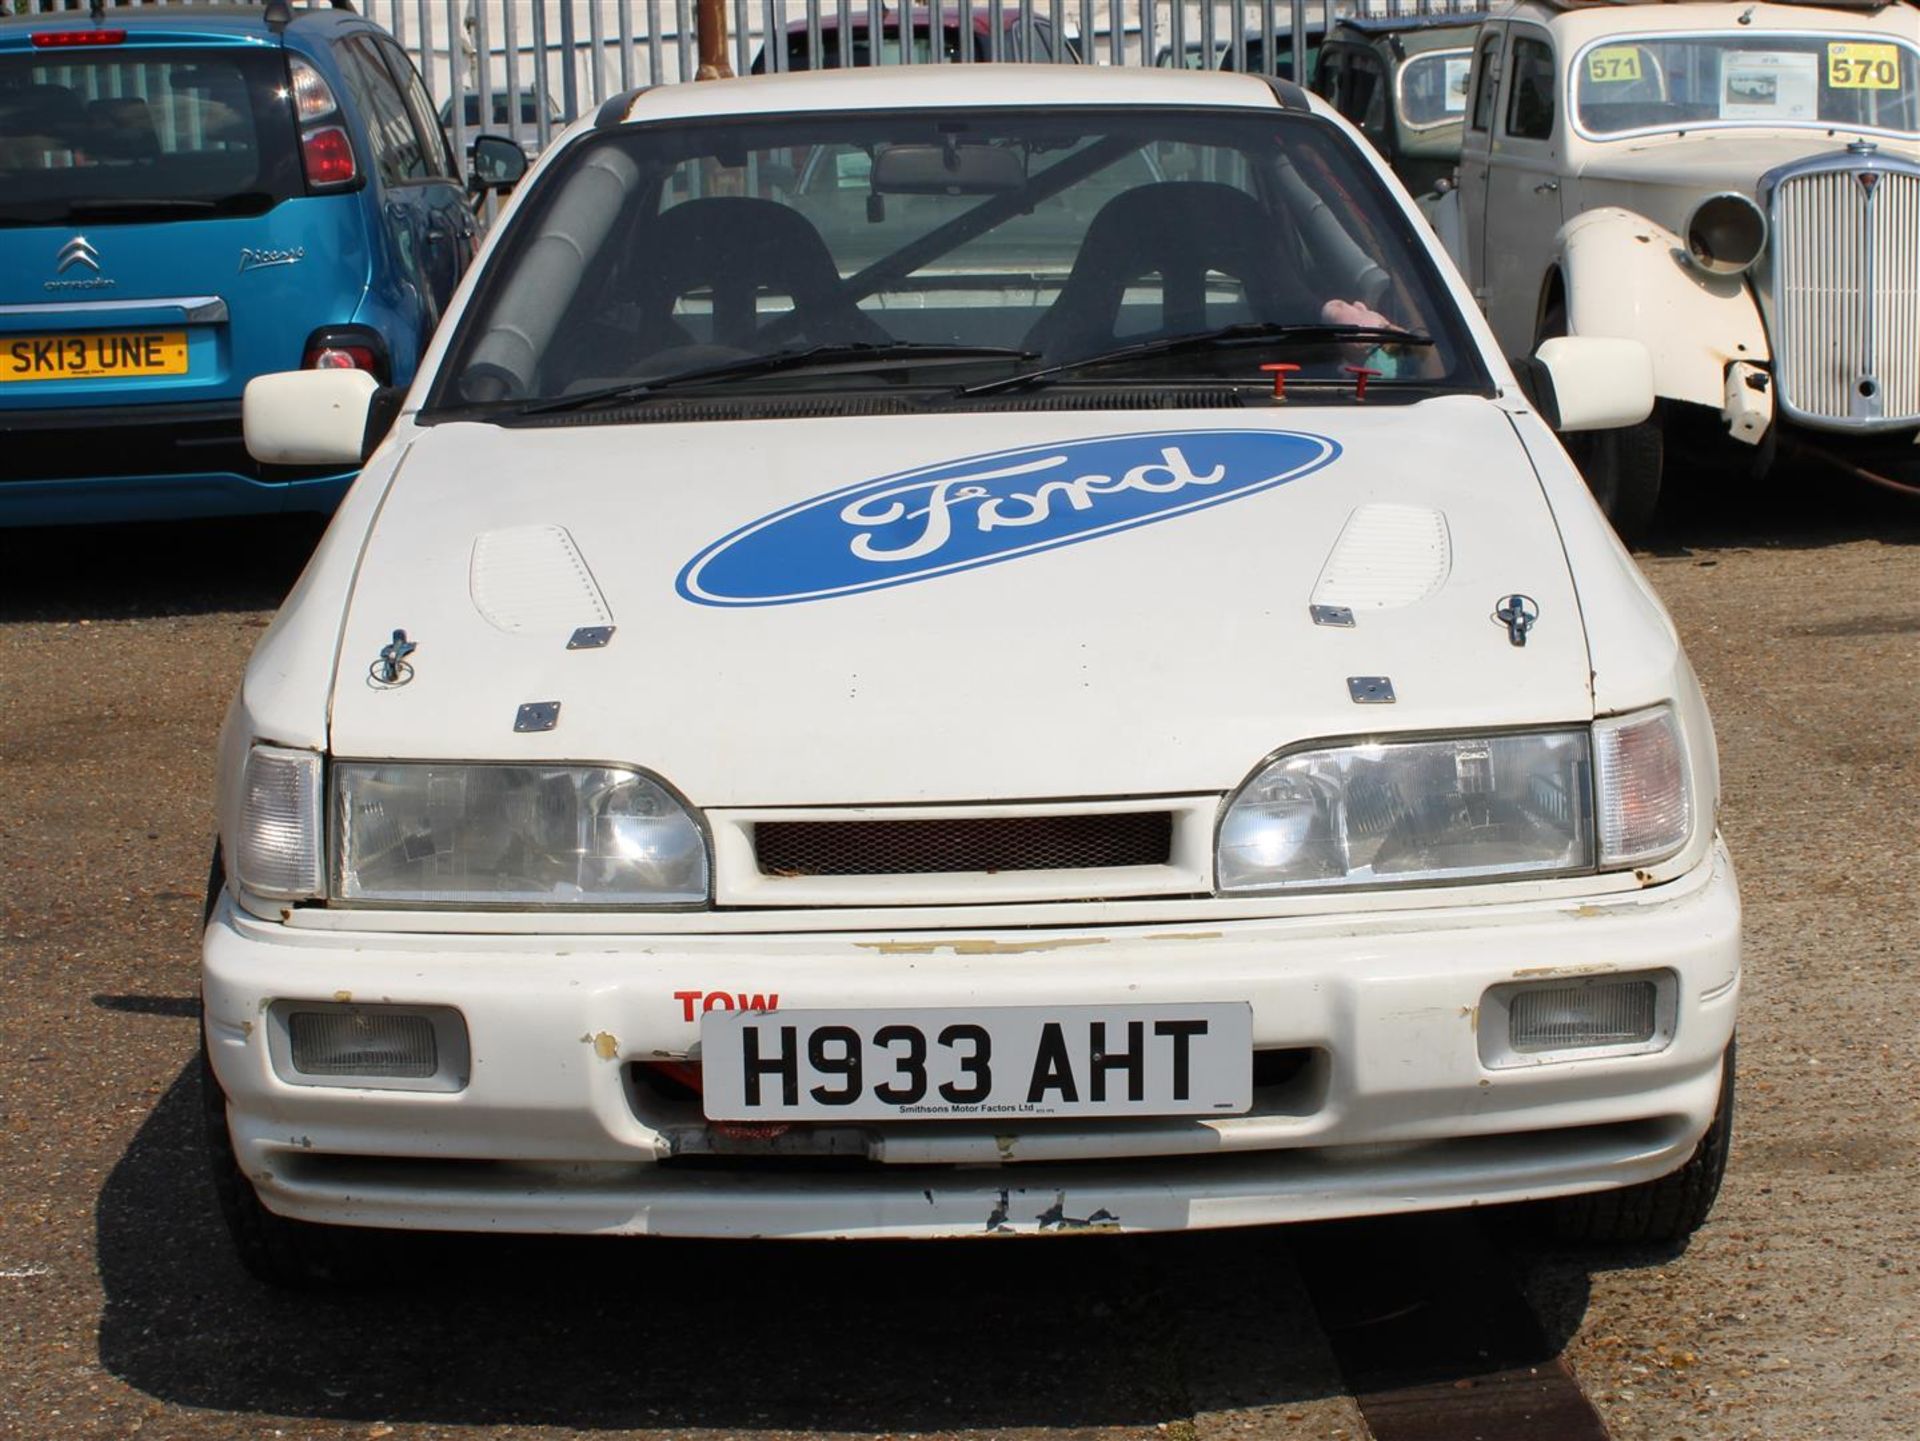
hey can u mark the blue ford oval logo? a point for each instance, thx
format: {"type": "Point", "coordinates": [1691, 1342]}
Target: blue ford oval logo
{"type": "Point", "coordinates": [984, 509]}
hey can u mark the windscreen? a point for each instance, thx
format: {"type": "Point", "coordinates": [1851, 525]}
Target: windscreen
{"type": "Point", "coordinates": [1647, 82]}
{"type": "Point", "coordinates": [157, 134]}
{"type": "Point", "coordinates": [655, 252]}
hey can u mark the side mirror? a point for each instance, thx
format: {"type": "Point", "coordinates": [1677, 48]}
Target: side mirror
{"type": "Point", "coordinates": [310, 417]}
{"type": "Point", "coordinates": [494, 163]}
{"type": "Point", "coordinates": [1587, 382]}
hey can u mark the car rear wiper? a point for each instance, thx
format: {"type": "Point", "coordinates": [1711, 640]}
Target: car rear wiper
{"type": "Point", "coordinates": [862, 355]}
{"type": "Point", "coordinates": [1227, 336]}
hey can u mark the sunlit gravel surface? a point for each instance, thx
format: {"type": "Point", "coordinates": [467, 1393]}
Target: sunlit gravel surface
{"type": "Point", "coordinates": [1795, 1313]}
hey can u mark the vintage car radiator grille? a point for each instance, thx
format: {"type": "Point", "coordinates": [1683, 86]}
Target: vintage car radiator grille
{"type": "Point", "coordinates": [996, 843]}
{"type": "Point", "coordinates": [1847, 295]}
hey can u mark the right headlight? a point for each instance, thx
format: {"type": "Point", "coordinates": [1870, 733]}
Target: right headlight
{"type": "Point", "coordinates": [428, 833]}
{"type": "Point", "coordinates": [1460, 808]}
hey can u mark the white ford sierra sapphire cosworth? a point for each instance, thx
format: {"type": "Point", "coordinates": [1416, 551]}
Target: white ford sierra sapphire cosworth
{"type": "Point", "coordinates": [1004, 627]}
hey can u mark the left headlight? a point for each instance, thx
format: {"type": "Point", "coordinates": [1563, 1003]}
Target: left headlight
{"type": "Point", "coordinates": [1412, 812]}
{"type": "Point", "coordinates": [423, 833]}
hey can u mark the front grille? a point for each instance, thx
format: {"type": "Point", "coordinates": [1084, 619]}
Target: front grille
{"type": "Point", "coordinates": [1847, 295]}
{"type": "Point", "coordinates": [996, 843]}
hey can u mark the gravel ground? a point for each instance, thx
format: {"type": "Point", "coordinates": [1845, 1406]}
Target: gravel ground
{"type": "Point", "coordinates": [1795, 1313]}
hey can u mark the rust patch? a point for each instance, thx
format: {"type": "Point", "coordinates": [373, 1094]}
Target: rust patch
{"type": "Point", "coordinates": [1004, 1145]}
{"type": "Point", "coordinates": [1055, 1218]}
{"type": "Point", "coordinates": [1644, 877]}
{"type": "Point", "coordinates": [1531, 973]}
{"type": "Point", "coordinates": [605, 1046]}
{"type": "Point", "coordinates": [343, 996]}
{"type": "Point", "coordinates": [1186, 936]}
{"type": "Point", "coordinates": [976, 948]}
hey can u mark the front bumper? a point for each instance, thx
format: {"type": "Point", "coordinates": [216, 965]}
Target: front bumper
{"type": "Point", "coordinates": [1391, 1110]}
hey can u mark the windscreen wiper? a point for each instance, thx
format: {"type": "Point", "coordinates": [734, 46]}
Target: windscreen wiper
{"type": "Point", "coordinates": [860, 356]}
{"type": "Point", "coordinates": [1226, 337]}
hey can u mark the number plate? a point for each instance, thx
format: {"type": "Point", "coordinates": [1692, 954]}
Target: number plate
{"type": "Point", "coordinates": [1161, 1060]}
{"type": "Point", "coordinates": [93, 356]}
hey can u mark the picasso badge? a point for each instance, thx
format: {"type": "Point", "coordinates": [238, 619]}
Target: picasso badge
{"type": "Point", "coordinates": [984, 509]}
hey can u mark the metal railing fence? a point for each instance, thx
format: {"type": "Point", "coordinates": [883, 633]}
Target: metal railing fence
{"type": "Point", "coordinates": [528, 67]}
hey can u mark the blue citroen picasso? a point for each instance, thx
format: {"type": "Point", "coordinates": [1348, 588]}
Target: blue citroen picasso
{"type": "Point", "coordinates": [189, 198]}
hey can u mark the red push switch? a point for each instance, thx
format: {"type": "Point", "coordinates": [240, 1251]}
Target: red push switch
{"type": "Point", "coordinates": [1361, 375]}
{"type": "Point", "coordinates": [1279, 370]}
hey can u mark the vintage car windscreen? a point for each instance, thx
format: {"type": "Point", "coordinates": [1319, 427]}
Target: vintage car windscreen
{"type": "Point", "coordinates": [148, 134]}
{"type": "Point", "coordinates": [1657, 82]}
{"type": "Point", "coordinates": [905, 249]}
{"type": "Point", "coordinates": [1433, 88]}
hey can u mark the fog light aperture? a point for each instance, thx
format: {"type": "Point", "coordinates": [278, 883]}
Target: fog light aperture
{"type": "Point", "coordinates": [390, 1048]}
{"type": "Point", "coordinates": [1536, 1022]}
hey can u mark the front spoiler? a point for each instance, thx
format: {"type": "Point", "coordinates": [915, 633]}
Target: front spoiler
{"type": "Point", "coordinates": [552, 1133]}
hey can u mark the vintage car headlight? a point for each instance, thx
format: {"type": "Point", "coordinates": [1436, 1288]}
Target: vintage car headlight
{"type": "Point", "coordinates": [1461, 808]}
{"type": "Point", "coordinates": [427, 833]}
{"type": "Point", "coordinates": [1725, 233]}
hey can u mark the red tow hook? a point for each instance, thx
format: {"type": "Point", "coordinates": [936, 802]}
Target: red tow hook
{"type": "Point", "coordinates": [689, 1074]}
{"type": "Point", "coordinates": [1361, 375]}
{"type": "Point", "coordinates": [1280, 370]}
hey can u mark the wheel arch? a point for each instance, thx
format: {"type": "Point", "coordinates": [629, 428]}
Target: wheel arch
{"type": "Point", "coordinates": [1625, 276]}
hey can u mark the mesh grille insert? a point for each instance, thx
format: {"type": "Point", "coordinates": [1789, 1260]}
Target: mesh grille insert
{"type": "Point", "coordinates": [998, 843]}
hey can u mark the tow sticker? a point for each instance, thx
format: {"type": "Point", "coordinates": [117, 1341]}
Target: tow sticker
{"type": "Point", "coordinates": [984, 509]}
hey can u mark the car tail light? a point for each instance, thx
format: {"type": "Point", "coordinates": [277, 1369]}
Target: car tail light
{"type": "Point", "coordinates": [339, 357]}
{"type": "Point", "coordinates": [312, 96]}
{"type": "Point", "coordinates": [58, 39]}
{"type": "Point", "coordinates": [346, 347]}
{"type": "Point", "coordinates": [328, 155]}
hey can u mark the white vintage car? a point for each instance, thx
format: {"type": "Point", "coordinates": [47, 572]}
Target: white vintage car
{"type": "Point", "coordinates": [975, 650]}
{"type": "Point", "coordinates": [1737, 187]}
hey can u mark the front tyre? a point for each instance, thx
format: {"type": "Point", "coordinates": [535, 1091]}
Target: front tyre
{"type": "Point", "coordinates": [297, 1255]}
{"type": "Point", "coordinates": [1623, 469]}
{"type": "Point", "coordinates": [1664, 1211]}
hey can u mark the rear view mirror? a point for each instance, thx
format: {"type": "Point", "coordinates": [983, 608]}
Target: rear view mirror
{"type": "Point", "coordinates": [1593, 383]}
{"type": "Point", "coordinates": [494, 163]}
{"type": "Point", "coordinates": [309, 417]}
{"type": "Point", "coordinates": [952, 169]}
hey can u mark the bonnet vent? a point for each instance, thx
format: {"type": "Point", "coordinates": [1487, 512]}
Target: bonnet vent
{"type": "Point", "coordinates": [1387, 556]}
{"type": "Point", "coordinates": [532, 580]}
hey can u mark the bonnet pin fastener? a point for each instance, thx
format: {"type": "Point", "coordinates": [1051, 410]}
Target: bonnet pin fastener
{"type": "Point", "coordinates": [393, 668]}
{"type": "Point", "coordinates": [1517, 613]}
